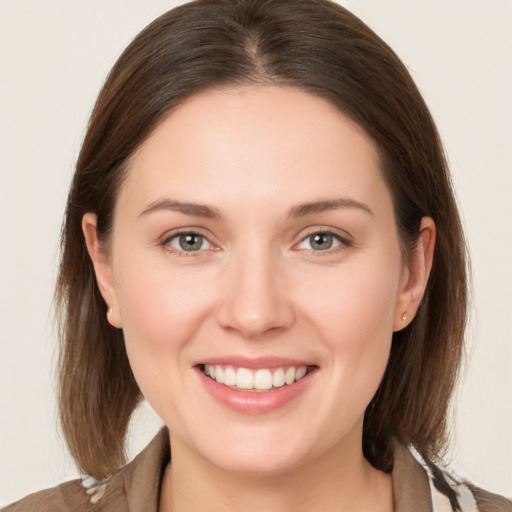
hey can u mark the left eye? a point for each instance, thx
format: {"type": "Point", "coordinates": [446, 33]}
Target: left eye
{"type": "Point", "coordinates": [188, 242]}
{"type": "Point", "coordinates": [321, 241]}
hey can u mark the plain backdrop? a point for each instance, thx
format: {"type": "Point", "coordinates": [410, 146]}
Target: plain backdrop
{"type": "Point", "coordinates": [54, 56]}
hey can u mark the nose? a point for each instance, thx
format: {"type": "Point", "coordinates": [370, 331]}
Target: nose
{"type": "Point", "coordinates": [256, 299]}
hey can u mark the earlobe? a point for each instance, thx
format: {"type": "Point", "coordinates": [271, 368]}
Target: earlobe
{"type": "Point", "coordinates": [416, 274]}
{"type": "Point", "coordinates": [102, 268]}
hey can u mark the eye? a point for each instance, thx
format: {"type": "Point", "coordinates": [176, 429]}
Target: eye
{"type": "Point", "coordinates": [320, 241]}
{"type": "Point", "coordinates": [188, 242]}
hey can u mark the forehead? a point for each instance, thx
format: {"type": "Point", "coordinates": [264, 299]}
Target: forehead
{"type": "Point", "coordinates": [264, 143]}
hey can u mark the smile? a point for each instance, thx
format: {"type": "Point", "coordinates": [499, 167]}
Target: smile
{"type": "Point", "coordinates": [258, 380]}
{"type": "Point", "coordinates": [255, 386]}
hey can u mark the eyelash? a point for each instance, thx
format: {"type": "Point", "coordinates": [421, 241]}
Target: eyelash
{"type": "Point", "coordinates": [344, 242]}
{"type": "Point", "coordinates": [180, 252]}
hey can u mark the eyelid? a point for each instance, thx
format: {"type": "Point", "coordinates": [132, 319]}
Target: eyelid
{"type": "Point", "coordinates": [343, 237]}
{"type": "Point", "coordinates": [170, 235]}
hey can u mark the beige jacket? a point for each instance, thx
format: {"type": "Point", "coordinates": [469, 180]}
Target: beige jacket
{"type": "Point", "coordinates": [135, 488]}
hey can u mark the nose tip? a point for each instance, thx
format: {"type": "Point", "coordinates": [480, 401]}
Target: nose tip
{"type": "Point", "coordinates": [256, 303]}
{"type": "Point", "coordinates": [253, 324]}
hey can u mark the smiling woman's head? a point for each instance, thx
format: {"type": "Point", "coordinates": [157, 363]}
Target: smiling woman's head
{"type": "Point", "coordinates": [325, 75]}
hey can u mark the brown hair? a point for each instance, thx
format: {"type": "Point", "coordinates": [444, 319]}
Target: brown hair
{"type": "Point", "coordinates": [318, 47]}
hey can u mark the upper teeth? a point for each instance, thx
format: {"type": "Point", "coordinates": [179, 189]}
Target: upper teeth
{"type": "Point", "coordinates": [262, 379]}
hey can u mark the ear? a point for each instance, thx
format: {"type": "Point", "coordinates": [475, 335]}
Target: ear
{"type": "Point", "coordinates": [102, 268]}
{"type": "Point", "coordinates": [415, 275]}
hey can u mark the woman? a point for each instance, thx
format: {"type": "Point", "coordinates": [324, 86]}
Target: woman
{"type": "Point", "coordinates": [259, 237]}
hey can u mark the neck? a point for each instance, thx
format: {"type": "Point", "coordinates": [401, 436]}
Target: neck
{"type": "Point", "coordinates": [338, 480]}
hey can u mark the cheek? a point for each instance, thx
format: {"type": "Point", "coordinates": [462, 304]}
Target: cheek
{"type": "Point", "coordinates": [353, 314]}
{"type": "Point", "coordinates": [160, 314]}
{"type": "Point", "coordinates": [354, 305]}
{"type": "Point", "coordinates": [157, 304]}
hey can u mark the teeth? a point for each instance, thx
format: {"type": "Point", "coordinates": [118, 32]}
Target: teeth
{"type": "Point", "coordinates": [244, 379]}
{"type": "Point", "coordinates": [289, 376]}
{"type": "Point", "coordinates": [261, 380]}
{"type": "Point", "coordinates": [229, 376]}
{"type": "Point", "coordinates": [300, 372]}
{"type": "Point", "coordinates": [278, 378]}
{"type": "Point", "coordinates": [219, 374]}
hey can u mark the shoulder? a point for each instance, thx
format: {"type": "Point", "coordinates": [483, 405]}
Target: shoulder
{"type": "Point", "coordinates": [490, 502]}
{"type": "Point", "coordinates": [462, 495]}
{"type": "Point", "coordinates": [133, 487]}
{"type": "Point", "coordinates": [81, 495]}
{"type": "Point", "coordinates": [426, 487]}
{"type": "Point", "coordinates": [69, 496]}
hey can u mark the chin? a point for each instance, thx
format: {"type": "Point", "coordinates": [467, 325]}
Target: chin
{"type": "Point", "coordinates": [257, 465]}
{"type": "Point", "coordinates": [257, 455]}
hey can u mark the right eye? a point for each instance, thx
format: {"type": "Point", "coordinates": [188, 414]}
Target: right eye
{"type": "Point", "coordinates": [188, 242]}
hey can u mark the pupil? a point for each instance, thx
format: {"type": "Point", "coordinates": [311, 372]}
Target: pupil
{"type": "Point", "coordinates": [190, 242]}
{"type": "Point", "coordinates": [322, 241]}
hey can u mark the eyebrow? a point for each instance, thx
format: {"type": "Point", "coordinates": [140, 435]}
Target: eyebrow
{"type": "Point", "coordinates": [195, 209]}
{"type": "Point", "coordinates": [210, 212]}
{"type": "Point", "coordinates": [330, 204]}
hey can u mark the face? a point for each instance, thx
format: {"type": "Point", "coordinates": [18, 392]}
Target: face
{"type": "Point", "coordinates": [254, 239]}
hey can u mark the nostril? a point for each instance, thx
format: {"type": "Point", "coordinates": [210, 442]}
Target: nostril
{"type": "Point", "coordinates": [253, 321]}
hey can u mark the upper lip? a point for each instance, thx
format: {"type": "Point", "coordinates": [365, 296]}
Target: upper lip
{"type": "Point", "coordinates": [253, 362]}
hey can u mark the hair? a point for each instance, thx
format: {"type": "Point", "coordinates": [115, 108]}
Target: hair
{"type": "Point", "coordinates": [320, 48]}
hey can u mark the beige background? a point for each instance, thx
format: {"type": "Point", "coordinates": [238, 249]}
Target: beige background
{"type": "Point", "coordinates": [54, 56]}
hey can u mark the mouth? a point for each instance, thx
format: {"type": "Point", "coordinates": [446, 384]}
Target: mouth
{"type": "Point", "coordinates": [255, 386]}
{"type": "Point", "coordinates": [257, 380]}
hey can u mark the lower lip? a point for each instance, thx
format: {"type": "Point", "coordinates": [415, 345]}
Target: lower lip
{"type": "Point", "coordinates": [255, 402]}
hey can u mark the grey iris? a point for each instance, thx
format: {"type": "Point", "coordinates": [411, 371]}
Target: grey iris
{"type": "Point", "coordinates": [191, 242]}
{"type": "Point", "coordinates": [321, 241]}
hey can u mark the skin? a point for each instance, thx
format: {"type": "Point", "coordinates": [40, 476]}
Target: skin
{"type": "Point", "coordinates": [257, 287]}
